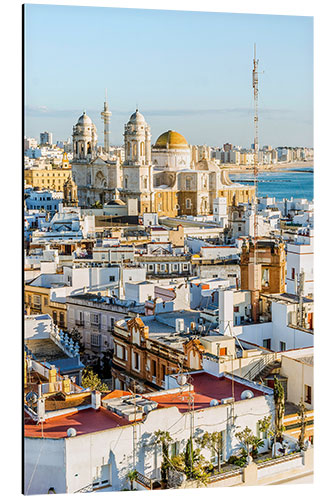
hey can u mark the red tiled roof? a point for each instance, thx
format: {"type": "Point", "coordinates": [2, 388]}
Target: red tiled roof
{"type": "Point", "coordinates": [84, 421]}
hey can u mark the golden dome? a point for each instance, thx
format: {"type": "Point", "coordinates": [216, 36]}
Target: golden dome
{"type": "Point", "coordinates": [171, 140]}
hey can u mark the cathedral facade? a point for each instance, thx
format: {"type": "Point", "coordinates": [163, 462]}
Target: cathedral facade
{"type": "Point", "coordinates": [164, 177]}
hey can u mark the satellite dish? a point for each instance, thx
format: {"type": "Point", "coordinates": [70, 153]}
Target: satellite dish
{"type": "Point", "coordinates": [182, 379]}
{"type": "Point", "coordinates": [247, 394]}
{"type": "Point", "coordinates": [214, 402]}
{"type": "Point", "coordinates": [31, 397]}
{"type": "Point", "coordinates": [71, 432]}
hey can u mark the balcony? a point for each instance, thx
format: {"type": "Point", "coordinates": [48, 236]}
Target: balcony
{"type": "Point", "coordinates": [79, 323]}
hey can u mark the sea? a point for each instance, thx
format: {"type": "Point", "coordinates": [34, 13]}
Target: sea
{"type": "Point", "coordinates": [295, 182]}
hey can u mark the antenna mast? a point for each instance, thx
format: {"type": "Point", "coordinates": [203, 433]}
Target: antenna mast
{"type": "Point", "coordinates": [256, 148]}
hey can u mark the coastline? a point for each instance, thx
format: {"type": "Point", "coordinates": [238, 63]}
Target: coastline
{"type": "Point", "coordinates": [276, 167]}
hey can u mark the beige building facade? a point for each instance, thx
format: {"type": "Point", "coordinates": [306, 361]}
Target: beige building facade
{"type": "Point", "coordinates": [164, 178]}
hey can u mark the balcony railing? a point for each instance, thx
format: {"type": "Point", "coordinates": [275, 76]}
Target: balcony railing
{"type": "Point", "coordinates": [260, 365]}
{"type": "Point", "coordinates": [144, 481]}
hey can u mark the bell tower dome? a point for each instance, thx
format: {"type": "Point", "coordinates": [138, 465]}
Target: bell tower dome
{"type": "Point", "coordinates": [137, 140]}
{"type": "Point", "coordinates": [84, 139]}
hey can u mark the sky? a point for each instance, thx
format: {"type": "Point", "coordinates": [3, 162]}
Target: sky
{"type": "Point", "coordinates": [185, 71]}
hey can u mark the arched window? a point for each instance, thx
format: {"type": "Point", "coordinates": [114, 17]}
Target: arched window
{"type": "Point", "coordinates": [89, 148]}
{"type": "Point", "coordinates": [125, 182]}
{"type": "Point", "coordinates": [142, 149]}
{"type": "Point", "coordinates": [188, 203]}
{"type": "Point", "coordinates": [145, 182]}
{"type": "Point", "coordinates": [135, 146]}
{"type": "Point", "coordinates": [128, 148]}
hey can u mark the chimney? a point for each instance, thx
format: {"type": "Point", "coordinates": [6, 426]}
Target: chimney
{"type": "Point", "coordinates": [52, 378]}
{"type": "Point", "coordinates": [40, 405]}
{"type": "Point", "coordinates": [66, 384]}
{"type": "Point", "coordinates": [95, 399]}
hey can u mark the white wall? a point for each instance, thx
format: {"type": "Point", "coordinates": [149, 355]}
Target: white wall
{"type": "Point", "coordinates": [44, 466]}
{"type": "Point", "coordinates": [83, 454]}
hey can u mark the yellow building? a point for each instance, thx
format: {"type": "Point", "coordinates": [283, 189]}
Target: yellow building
{"type": "Point", "coordinates": [37, 300]}
{"type": "Point", "coordinates": [50, 177]}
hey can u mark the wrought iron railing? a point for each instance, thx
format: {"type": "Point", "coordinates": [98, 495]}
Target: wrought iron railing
{"type": "Point", "coordinates": [144, 481]}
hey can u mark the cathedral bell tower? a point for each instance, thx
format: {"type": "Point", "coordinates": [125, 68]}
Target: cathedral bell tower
{"type": "Point", "coordinates": [84, 140]}
{"type": "Point", "coordinates": [137, 178]}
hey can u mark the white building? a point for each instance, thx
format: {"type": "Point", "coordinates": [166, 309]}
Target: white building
{"type": "Point", "coordinates": [44, 199]}
{"type": "Point", "coordinates": [109, 438]}
{"type": "Point", "coordinates": [220, 211]}
{"type": "Point", "coordinates": [278, 331]}
{"type": "Point", "coordinates": [300, 258]}
{"type": "Point", "coordinates": [30, 143]}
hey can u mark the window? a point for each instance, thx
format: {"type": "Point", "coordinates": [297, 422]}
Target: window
{"type": "Point", "coordinates": [185, 267]}
{"type": "Point", "coordinates": [150, 267]}
{"type": "Point", "coordinates": [292, 273]}
{"type": "Point", "coordinates": [95, 319]}
{"type": "Point", "coordinates": [120, 351]}
{"type": "Point", "coordinates": [163, 372]}
{"type": "Point", "coordinates": [236, 309]}
{"type": "Point", "coordinates": [265, 277]}
{"type": "Point", "coordinates": [188, 203]}
{"type": "Point", "coordinates": [136, 361]}
{"type": "Point", "coordinates": [307, 394]}
{"type": "Point", "coordinates": [153, 368]}
{"type": "Point", "coordinates": [37, 301]}
{"type": "Point", "coordinates": [54, 316]}
{"type": "Point", "coordinates": [62, 319]}
{"type": "Point", "coordinates": [111, 278]}
{"type": "Point", "coordinates": [102, 476]}
{"type": "Point", "coordinates": [95, 340]}
{"type": "Point", "coordinates": [188, 183]}
{"type": "Point", "coordinates": [282, 346]}
{"type": "Point", "coordinates": [267, 343]}
{"type": "Point", "coordinates": [112, 323]}
{"type": "Point", "coordinates": [45, 301]}
{"type": "Point", "coordinates": [175, 267]}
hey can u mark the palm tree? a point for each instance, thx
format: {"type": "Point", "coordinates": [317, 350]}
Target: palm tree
{"type": "Point", "coordinates": [132, 476]}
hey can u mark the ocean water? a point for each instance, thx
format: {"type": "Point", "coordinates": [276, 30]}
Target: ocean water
{"type": "Point", "coordinates": [296, 182]}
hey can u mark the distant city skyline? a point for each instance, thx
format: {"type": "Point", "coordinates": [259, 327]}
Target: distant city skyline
{"type": "Point", "coordinates": [186, 71]}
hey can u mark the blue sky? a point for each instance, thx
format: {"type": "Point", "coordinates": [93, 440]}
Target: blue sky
{"type": "Point", "coordinates": [186, 71]}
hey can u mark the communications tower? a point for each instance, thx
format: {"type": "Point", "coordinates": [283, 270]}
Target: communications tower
{"type": "Point", "coordinates": [254, 268]}
{"type": "Point", "coordinates": [106, 114]}
{"type": "Point", "coordinates": [256, 148]}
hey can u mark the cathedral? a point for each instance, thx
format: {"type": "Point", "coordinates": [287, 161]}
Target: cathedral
{"type": "Point", "coordinates": [165, 177]}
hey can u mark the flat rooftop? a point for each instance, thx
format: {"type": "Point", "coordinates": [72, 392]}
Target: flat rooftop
{"type": "Point", "coordinates": [206, 387]}
{"type": "Point", "coordinates": [83, 421]}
